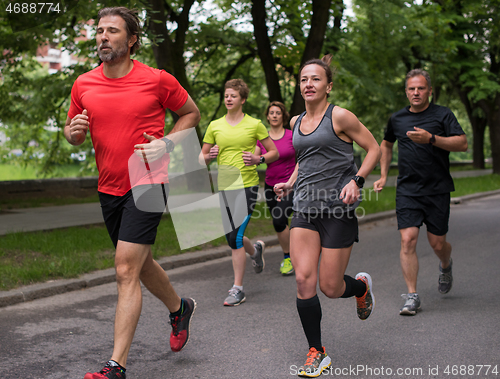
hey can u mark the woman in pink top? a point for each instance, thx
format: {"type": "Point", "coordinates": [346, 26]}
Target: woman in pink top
{"type": "Point", "coordinates": [279, 172]}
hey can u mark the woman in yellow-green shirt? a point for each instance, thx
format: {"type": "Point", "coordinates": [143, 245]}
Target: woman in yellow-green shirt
{"type": "Point", "coordinates": [232, 140]}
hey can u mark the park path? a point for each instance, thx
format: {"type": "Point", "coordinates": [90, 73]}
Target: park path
{"type": "Point", "coordinates": [47, 218]}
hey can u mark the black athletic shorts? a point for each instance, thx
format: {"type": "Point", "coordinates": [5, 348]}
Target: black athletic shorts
{"type": "Point", "coordinates": [336, 231]}
{"type": "Point", "coordinates": [434, 211]}
{"type": "Point", "coordinates": [127, 223]}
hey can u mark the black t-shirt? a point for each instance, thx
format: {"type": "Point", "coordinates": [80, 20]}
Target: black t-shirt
{"type": "Point", "coordinates": [423, 169]}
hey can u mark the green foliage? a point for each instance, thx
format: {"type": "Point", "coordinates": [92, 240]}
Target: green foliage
{"type": "Point", "coordinates": [373, 51]}
{"type": "Point", "coordinates": [474, 54]}
{"type": "Point", "coordinates": [35, 114]}
{"type": "Point", "coordinates": [34, 103]}
{"type": "Point", "coordinates": [218, 53]}
{"type": "Point", "coordinates": [450, 39]}
{"type": "Point", "coordinates": [370, 69]}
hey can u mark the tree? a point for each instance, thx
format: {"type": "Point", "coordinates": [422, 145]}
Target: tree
{"type": "Point", "coordinates": [264, 49]}
{"type": "Point", "coordinates": [292, 48]}
{"type": "Point", "coordinates": [451, 39]}
{"type": "Point", "coordinates": [476, 69]}
{"type": "Point", "coordinates": [33, 104]}
{"type": "Point", "coordinates": [25, 112]}
{"type": "Point", "coordinates": [265, 43]}
{"type": "Point", "coordinates": [371, 62]}
{"type": "Point", "coordinates": [175, 37]}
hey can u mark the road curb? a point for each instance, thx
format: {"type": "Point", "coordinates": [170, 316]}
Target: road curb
{"type": "Point", "coordinates": [42, 290]}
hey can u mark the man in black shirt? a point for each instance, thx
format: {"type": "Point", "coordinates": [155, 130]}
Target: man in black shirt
{"type": "Point", "coordinates": [426, 133]}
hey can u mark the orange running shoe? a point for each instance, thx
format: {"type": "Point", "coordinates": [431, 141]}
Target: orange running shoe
{"type": "Point", "coordinates": [366, 303]}
{"type": "Point", "coordinates": [315, 364]}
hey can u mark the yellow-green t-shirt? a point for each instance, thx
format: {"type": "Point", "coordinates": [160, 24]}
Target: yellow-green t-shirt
{"type": "Point", "coordinates": [232, 141]}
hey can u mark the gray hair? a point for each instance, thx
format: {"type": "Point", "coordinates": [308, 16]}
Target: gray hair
{"type": "Point", "coordinates": [417, 72]}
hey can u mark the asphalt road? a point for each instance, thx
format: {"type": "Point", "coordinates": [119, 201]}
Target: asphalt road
{"type": "Point", "coordinates": [66, 335]}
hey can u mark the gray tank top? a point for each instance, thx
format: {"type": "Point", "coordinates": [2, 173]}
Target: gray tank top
{"type": "Point", "coordinates": [326, 165]}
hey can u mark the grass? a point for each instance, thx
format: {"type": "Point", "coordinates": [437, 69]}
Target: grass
{"type": "Point", "coordinates": [65, 253]}
{"type": "Point", "coordinates": [27, 258]}
{"type": "Point", "coordinates": [18, 172]}
{"type": "Point", "coordinates": [377, 202]}
{"type": "Point", "coordinates": [467, 186]}
{"type": "Point", "coordinates": [15, 172]}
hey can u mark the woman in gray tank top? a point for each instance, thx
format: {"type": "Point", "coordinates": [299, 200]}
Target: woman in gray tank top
{"type": "Point", "coordinates": [327, 190]}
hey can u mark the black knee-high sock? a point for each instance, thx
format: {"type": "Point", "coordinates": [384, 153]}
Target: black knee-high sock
{"type": "Point", "coordinates": [353, 287]}
{"type": "Point", "coordinates": [310, 316]}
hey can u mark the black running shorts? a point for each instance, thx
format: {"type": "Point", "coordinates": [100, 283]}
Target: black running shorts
{"type": "Point", "coordinates": [336, 230]}
{"type": "Point", "coordinates": [433, 211]}
{"type": "Point", "coordinates": [127, 223]}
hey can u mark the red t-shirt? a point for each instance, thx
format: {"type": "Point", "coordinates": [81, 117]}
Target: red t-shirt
{"type": "Point", "coordinates": [120, 111]}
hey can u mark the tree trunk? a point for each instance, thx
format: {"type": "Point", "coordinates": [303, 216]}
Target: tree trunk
{"type": "Point", "coordinates": [169, 56]}
{"type": "Point", "coordinates": [494, 124]}
{"type": "Point", "coordinates": [162, 49]}
{"type": "Point", "coordinates": [178, 47]}
{"type": "Point", "coordinates": [314, 45]}
{"type": "Point", "coordinates": [478, 145]}
{"type": "Point", "coordinates": [264, 49]}
{"type": "Point", "coordinates": [478, 128]}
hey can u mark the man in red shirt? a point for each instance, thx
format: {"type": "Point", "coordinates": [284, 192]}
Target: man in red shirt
{"type": "Point", "coordinates": [122, 103]}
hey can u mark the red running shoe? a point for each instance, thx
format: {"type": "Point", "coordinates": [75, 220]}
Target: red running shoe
{"type": "Point", "coordinates": [180, 326]}
{"type": "Point", "coordinates": [108, 372]}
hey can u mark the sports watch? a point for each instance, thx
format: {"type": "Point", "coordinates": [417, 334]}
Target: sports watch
{"type": "Point", "coordinates": [169, 143]}
{"type": "Point", "coordinates": [359, 180]}
{"type": "Point", "coordinates": [262, 159]}
{"type": "Point", "coordinates": [432, 140]}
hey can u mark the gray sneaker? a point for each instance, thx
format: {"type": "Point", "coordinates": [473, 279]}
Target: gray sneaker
{"type": "Point", "coordinates": [236, 297]}
{"type": "Point", "coordinates": [258, 259]}
{"type": "Point", "coordinates": [445, 278]}
{"type": "Point", "coordinates": [412, 304]}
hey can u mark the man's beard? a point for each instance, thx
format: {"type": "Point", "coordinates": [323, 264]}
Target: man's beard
{"type": "Point", "coordinates": [110, 56]}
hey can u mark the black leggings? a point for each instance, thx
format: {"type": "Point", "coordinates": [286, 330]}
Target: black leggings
{"type": "Point", "coordinates": [280, 210]}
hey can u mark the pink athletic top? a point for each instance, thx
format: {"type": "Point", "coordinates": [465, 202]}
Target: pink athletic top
{"type": "Point", "coordinates": [280, 171]}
